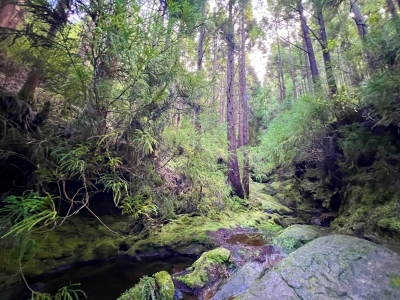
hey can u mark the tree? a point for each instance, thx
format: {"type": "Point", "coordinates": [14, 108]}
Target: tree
{"type": "Point", "coordinates": [308, 43]}
{"type": "Point", "coordinates": [233, 165]}
{"type": "Point", "coordinates": [244, 103]}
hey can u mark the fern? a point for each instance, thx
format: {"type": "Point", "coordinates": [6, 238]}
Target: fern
{"type": "Point", "coordinates": [25, 213]}
{"type": "Point", "coordinates": [64, 293]}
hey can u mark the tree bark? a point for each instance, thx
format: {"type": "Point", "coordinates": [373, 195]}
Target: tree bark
{"type": "Point", "coordinates": [292, 68]}
{"type": "Point", "coordinates": [358, 18]}
{"type": "Point", "coordinates": [10, 14]}
{"type": "Point", "coordinates": [308, 43]}
{"type": "Point", "coordinates": [27, 91]}
{"type": "Point", "coordinates": [307, 70]}
{"type": "Point", "coordinates": [326, 55]}
{"type": "Point", "coordinates": [233, 166]}
{"type": "Point", "coordinates": [245, 109]}
{"type": "Point", "coordinates": [280, 73]}
{"type": "Point", "coordinates": [391, 8]}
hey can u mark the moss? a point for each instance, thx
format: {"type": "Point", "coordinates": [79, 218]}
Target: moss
{"type": "Point", "coordinates": [260, 199]}
{"type": "Point", "coordinates": [200, 272]}
{"type": "Point", "coordinates": [144, 290]}
{"type": "Point", "coordinates": [276, 185]}
{"type": "Point", "coordinates": [165, 285]}
{"type": "Point", "coordinates": [389, 223]}
{"type": "Point", "coordinates": [294, 237]}
{"type": "Point", "coordinates": [367, 212]}
{"type": "Point", "coordinates": [395, 281]}
{"type": "Point", "coordinates": [190, 235]}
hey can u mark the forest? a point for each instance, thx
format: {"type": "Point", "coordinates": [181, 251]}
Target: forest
{"type": "Point", "coordinates": [232, 136]}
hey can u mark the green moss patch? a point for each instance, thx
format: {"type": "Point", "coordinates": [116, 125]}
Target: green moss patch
{"type": "Point", "coordinates": [207, 268]}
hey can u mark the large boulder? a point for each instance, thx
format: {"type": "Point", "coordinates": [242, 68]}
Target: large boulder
{"type": "Point", "coordinates": [240, 281]}
{"type": "Point", "coordinates": [294, 237]}
{"type": "Point", "coordinates": [210, 267]}
{"type": "Point", "coordinates": [332, 267]}
{"type": "Point", "coordinates": [159, 286]}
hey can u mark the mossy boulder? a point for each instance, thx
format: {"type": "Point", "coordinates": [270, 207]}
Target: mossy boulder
{"type": "Point", "coordinates": [294, 237]}
{"type": "Point", "coordinates": [373, 214]}
{"type": "Point", "coordinates": [165, 286]}
{"type": "Point", "coordinates": [210, 267]}
{"type": "Point", "coordinates": [332, 267]}
{"type": "Point", "coordinates": [159, 287]}
{"type": "Point", "coordinates": [259, 198]}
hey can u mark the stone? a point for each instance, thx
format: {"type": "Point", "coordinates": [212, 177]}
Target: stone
{"type": "Point", "coordinates": [332, 267]}
{"type": "Point", "coordinates": [294, 237]}
{"type": "Point", "coordinates": [239, 281]}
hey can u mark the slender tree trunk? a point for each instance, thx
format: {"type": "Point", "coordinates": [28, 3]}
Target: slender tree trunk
{"type": "Point", "coordinates": [308, 43]}
{"type": "Point", "coordinates": [391, 8]}
{"type": "Point", "coordinates": [307, 69]}
{"type": "Point", "coordinates": [27, 91]}
{"type": "Point", "coordinates": [240, 107]}
{"type": "Point", "coordinates": [326, 55]}
{"type": "Point", "coordinates": [214, 69]}
{"type": "Point", "coordinates": [358, 18]}
{"type": "Point", "coordinates": [280, 73]}
{"type": "Point", "coordinates": [233, 166]}
{"type": "Point", "coordinates": [245, 109]}
{"type": "Point", "coordinates": [292, 68]}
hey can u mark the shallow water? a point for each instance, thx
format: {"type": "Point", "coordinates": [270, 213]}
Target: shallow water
{"type": "Point", "coordinates": [105, 280]}
{"type": "Point", "coordinates": [247, 239]}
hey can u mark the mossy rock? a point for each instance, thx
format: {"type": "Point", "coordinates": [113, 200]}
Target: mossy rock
{"type": "Point", "coordinates": [332, 267]}
{"type": "Point", "coordinates": [165, 286]}
{"type": "Point", "coordinates": [294, 237]}
{"type": "Point", "coordinates": [371, 214]}
{"type": "Point", "coordinates": [267, 202]}
{"type": "Point", "coordinates": [144, 290]}
{"type": "Point", "coordinates": [208, 268]}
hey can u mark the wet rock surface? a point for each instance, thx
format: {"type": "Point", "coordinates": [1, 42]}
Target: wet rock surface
{"type": "Point", "coordinates": [239, 281]}
{"type": "Point", "coordinates": [294, 237]}
{"type": "Point", "coordinates": [332, 267]}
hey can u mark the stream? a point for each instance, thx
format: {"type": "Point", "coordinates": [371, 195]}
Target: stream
{"type": "Point", "coordinates": [102, 280]}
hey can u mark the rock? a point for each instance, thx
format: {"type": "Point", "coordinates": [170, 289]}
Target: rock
{"type": "Point", "coordinates": [209, 268]}
{"type": "Point", "coordinates": [270, 287]}
{"type": "Point", "coordinates": [332, 267]}
{"type": "Point", "coordinates": [240, 281]}
{"type": "Point", "coordinates": [294, 237]}
{"type": "Point", "coordinates": [160, 286]}
{"type": "Point", "coordinates": [141, 291]}
{"type": "Point", "coordinates": [165, 285]}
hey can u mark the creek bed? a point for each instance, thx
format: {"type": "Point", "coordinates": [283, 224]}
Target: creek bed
{"type": "Point", "coordinates": [102, 280]}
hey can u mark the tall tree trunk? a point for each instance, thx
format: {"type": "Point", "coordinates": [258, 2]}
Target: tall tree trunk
{"type": "Point", "coordinates": [214, 69]}
{"type": "Point", "coordinates": [358, 18]}
{"type": "Point", "coordinates": [307, 69]}
{"type": "Point", "coordinates": [391, 8]}
{"type": "Point", "coordinates": [244, 110]}
{"type": "Point", "coordinates": [27, 91]}
{"type": "Point", "coordinates": [280, 72]}
{"type": "Point", "coordinates": [200, 54]}
{"type": "Point", "coordinates": [292, 74]}
{"type": "Point", "coordinates": [308, 43]}
{"type": "Point", "coordinates": [10, 14]}
{"type": "Point", "coordinates": [326, 55]}
{"type": "Point", "coordinates": [233, 166]}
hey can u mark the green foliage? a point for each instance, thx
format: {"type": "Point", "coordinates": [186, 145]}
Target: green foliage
{"type": "Point", "coordinates": [64, 293]}
{"type": "Point", "coordinates": [291, 135]}
{"type": "Point", "coordinates": [138, 205]}
{"type": "Point", "coordinates": [195, 157]}
{"type": "Point", "coordinates": [144, 290]}
{"type": "Point", "coordinates": [24, 214]}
